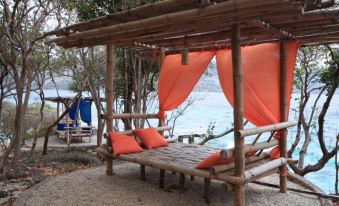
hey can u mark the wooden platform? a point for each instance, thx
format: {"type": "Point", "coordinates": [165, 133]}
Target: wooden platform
{"type": "Point", "coordinates": [183, 158]}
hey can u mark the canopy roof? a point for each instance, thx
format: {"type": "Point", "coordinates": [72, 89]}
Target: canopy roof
{"type": "Point", "coordinates": [203, 24]}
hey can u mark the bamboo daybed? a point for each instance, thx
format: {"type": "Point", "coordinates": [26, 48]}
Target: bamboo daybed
{"type": "Point", "coordinates": [183, 158]}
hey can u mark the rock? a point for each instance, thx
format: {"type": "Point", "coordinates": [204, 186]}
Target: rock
{"type": "Point", "coordinates": [5, 200]}
{"type": "Point", "coordinates": [3, 194]}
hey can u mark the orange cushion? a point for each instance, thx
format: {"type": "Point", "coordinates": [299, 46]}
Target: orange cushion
{"type": "Point", "coordinates": [275, 153]}
{"type": "Point", "coordinates": [123, 144]}
{"type": "Point", "coordinates": [212, 160]}
{"type": "Point", "coordinates": [150, 137]}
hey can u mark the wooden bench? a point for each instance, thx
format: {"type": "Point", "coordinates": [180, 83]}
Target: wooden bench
{"type": "Point", "coordinates": [71, 133]}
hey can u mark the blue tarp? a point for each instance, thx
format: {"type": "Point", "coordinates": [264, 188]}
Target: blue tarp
{"type": "Point", "coordinates": [84, 109]}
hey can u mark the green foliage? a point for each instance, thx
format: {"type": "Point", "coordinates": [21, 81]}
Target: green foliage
{"type": "Point", "coordinates": [88, 9]}
{"type": "Point", "coordinates": [331, 67]}
{"type": "Point", "coordinates": [30, 121]}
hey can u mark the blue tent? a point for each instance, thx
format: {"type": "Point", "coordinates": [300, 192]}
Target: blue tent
{"type": "Point", "coordinates": [84, 109]}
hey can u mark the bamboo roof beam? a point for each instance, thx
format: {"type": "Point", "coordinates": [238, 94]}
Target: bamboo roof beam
{"type": "Point", "coordinates": [275, 29]}
{"type": "Point", "coordinates": [145, 11]}
{"type": "Point", "coordinates": [195, 27]}
{"type": "Point", "coordinates": [228, 6]}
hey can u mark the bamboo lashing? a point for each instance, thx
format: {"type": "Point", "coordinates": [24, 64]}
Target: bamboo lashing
{"type": "Point", "coordinates": [268, 128]}
{"type": "Point", "coordinates": [221, 168]}
{"type": "Point", "coordinates": [274, 164]}
{"type": "Point", "coordinates": [248, 148]}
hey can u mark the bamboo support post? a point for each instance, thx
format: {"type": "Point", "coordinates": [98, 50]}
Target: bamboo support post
{"type": "Point", "coordinates": [256, 171]}
{"type": "Point", "coordinates": [283, 117]}
{"type": "Point", "coordinates": [268, 128]}
{"type": "Point", "coordinates": [142, 173]}
{"type": "Point", "coordinates": [162, 179]}
{"type": "Point", "coordinates": [224, 154]}
{"type": "Point", "coordinates": [184, 56]}
{"type": "Point", "coordinates": [239, 154]}
{"type": "Point", "coordinates": [109, 101]}
{"type": "Point", "coordinates": [181, 182]}
{"type": "Point", "coordinates": [207, 185]}
{"type": "Point", "coordinates": [162, 53]}
{"type": "Point", "coordinates": [221, 168]}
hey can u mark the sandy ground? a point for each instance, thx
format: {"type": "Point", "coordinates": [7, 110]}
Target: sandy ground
{"type": "Point", "coordinates": [93, 187]}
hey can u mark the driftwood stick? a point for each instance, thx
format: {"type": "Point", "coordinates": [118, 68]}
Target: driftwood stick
{"type": "Point", "coordinates": [269, 139]}
{"type": "Point", "coordinates": [319, 194]}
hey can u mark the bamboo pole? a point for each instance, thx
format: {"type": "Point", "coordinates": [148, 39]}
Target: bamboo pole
{"type": "Point", "coordinates": [283, 117]}
{"type": "Point", "coordinates": [162, 55]}
{"type": "Point", "coordinates": [159, 129]}
{"type": "Point", "coordinates": [256, 171]}
{"type": "Point", "coordinates": [184, 56]}
{"type": "Point", "coordinates": [133, 116]}
{"type": "Point", "coordinates": [222, 168]}
{"type": "Point", "coordinates": [248, 148]}
{"type": "Point", "coordinates": [268, 128]}
{"type": "Point", "coordinates": [109, 101]}
{"type": "Point", "coordinates": [239, 153]}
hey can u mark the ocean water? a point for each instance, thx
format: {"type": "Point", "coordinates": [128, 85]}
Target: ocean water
{"type": "Point", "coordinates": [213, 107]}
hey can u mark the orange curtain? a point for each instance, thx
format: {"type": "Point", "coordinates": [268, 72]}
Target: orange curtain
{"type": "Point", "coordinates": [261, 77]}
{"type": "Point", "coordinates": [177, 81]}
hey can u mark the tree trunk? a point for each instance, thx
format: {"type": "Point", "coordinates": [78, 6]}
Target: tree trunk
{"type": "Point", "coordinates": [38, 127]}
{"type": "Point", "coordinates": [49, 129]}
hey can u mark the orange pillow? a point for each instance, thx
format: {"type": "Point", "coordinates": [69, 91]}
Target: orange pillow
{"type": "Point", "coordinates": [150, 137]}
{"type": "Point", "coordinates": [212, 160]}
{"type": "Point", "coordinates": [275, 153]}
{"type": "Point", "coordinates": [123, 144]}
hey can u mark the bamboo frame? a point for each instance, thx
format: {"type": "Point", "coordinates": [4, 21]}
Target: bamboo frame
{"type": "Point", "coordinates": [165, 166]}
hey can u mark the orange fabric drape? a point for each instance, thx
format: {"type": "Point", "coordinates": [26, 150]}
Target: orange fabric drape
{"type": "Point", "coordinates": [261, 79]}
{"type": "Point", "coordinates": [177, 81]}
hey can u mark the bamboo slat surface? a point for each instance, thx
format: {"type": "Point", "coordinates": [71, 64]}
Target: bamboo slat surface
{"type": "Point", "coordinates": [183, 158]}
